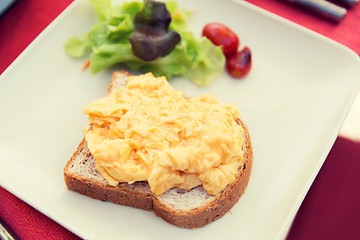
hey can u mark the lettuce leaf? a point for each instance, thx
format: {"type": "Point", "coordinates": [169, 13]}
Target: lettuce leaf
{"type": "Point", "coordinates": [194, 58]}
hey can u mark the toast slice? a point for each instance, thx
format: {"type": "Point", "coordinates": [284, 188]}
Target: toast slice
{"type": "Point", "coordinates": [184, 208]}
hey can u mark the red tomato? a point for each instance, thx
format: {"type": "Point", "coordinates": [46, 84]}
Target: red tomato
{"type": "Point", "coordinates": [221, 35]}
{"type": "Point", "coordinates": [239, 64]}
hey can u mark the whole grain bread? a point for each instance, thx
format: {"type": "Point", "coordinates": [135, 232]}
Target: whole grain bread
{"type": "Point", "coordinates": [184, 208]}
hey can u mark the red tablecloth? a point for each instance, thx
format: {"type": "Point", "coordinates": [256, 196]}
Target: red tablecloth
{"type": "Point", "coordinates": [331, 209]}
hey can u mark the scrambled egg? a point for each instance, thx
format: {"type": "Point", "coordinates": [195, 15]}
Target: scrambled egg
{"type": "Point", "coordinates": [147, 131]}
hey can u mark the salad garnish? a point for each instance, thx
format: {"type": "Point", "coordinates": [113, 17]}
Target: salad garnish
{"type": "Point", "coordinates": [122, 36]}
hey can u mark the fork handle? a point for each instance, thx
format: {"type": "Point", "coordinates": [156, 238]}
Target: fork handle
{"type": "Point", "coordinates": [5, 232]}
{"type": "Point", "coordinates": [350, 3]}
{"type": "Point", "coordinates": [322, 7]}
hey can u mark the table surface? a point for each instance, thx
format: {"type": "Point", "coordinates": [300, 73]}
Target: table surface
{"type": "Point", "coordinates": [331, 208]}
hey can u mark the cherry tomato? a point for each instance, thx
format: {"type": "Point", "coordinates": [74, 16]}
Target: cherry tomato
{"type": "Point", "coordinates": [239, 64]}
{"type": "Point", "coordinates": [221, 35]}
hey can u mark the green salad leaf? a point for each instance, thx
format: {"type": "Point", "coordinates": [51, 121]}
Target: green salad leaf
{"type": "Point", "coordinates": [108, 41]}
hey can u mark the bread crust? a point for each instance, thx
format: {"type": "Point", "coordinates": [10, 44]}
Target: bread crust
{"type": "Point", "coordinates": [215, 209]}
{"type": "Point", "coordinates": [123, 194]}
{"type": "Point", "coordinates": [130, 195]}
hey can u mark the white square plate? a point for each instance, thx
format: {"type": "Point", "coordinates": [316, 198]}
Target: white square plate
{"type": "Point", "coordinates": [294, 102]}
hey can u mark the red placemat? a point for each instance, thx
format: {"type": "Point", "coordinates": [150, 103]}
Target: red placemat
{"type": "Point", "coordinates": [28, 223]}
{"type": "Point", "coordinates": [329, 211]}
{"type": "Point", "coordinates": [20, 25]}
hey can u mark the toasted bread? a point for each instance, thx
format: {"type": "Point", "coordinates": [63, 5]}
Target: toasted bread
{"type": "Point", "coordinates": [184, 208]}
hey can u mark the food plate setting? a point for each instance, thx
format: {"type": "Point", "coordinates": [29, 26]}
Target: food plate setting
{"type": "Point", "coordinates": [293, 101]}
